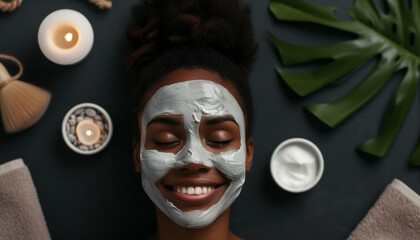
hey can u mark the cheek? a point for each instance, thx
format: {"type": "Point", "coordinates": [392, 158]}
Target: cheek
{"type": "Point", "coordinates": [155, 165]}
{"type": "Point", "coordinates": [232, 164]}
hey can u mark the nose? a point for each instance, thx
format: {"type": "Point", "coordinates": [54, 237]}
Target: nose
{"type": "Point", "coordinates": [193, 167]}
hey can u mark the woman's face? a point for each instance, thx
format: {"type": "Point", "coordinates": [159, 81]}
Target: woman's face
{"type": "Point", "coordinates": [191, 145]}
{"type": "Point", "coordinates": [193, 186]}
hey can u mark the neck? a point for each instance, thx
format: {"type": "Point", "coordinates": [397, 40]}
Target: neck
{"type": "Point", "coordinates": [219, 229]}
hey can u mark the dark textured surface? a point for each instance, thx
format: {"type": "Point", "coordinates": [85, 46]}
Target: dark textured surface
{"type": "Point", "coordinates": [96, 197]}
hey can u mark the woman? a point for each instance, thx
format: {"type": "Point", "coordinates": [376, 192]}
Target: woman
{"type": "Point", "coordinates": [194, 111]}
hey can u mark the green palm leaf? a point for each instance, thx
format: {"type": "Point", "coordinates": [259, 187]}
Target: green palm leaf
{"type": "Point", "coordinates": [393, 36]}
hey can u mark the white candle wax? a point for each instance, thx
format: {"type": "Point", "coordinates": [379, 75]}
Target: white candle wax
{"type": "Point", "coordinates": [65, 37]}
{"type": "Point", "coordinates": [88, 132]}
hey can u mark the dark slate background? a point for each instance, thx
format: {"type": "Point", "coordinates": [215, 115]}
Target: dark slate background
{"type": "Point", "coordinates": [98, 197]}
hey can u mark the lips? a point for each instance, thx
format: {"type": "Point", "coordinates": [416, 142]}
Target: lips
{"type": "Point", "coordinates": [192, 194]}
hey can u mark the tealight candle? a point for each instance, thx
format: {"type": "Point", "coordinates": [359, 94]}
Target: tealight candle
{"type": "Point", "coordinates": [65, 37]}
{"type": "Point", "coordinates": [87, 128]}
{"type": "Point", "coordinates": [88, 132]}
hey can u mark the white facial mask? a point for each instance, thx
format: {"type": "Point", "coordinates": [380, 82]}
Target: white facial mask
{"type": "Point", "coordinates": [192, 99]}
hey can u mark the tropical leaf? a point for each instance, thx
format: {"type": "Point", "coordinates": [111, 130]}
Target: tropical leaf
{"type": "Point", "coordinates": [393, 36]}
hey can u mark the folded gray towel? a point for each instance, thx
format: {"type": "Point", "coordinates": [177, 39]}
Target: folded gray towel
{"type": "Point", "coordinates": [20, 212]}
{"type": "Point", "coordinates": [396, 215]}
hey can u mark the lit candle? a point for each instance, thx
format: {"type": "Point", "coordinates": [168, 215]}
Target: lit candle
{"type": "Point", "coordinates": [88, 132]}
{"type": "Point", "coordinates": [65, 37]}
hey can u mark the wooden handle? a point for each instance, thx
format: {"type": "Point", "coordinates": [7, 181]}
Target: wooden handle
{"type": "Point", "coordinates": [5, 77]}
{"type": "Point", "coordinates": [4, 74]}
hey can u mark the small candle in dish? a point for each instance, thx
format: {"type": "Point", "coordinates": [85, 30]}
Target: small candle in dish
{"type": "Point", "coordinates": [87, 128]}
{"type": "Point", "coordinates": [65, 37]}
{"type": "Point", "coordinates": [88, 132]}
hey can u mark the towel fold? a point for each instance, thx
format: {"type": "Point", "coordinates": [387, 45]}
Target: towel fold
{"type": "Point", "coordinates": [395, 215]}
{"type": "Point", "coordinates": [20, 212]}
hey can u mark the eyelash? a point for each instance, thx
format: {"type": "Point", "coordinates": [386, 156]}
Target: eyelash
{"type": "Point", "coordinates": [219, 144]}
{"type": "Point", "coordinates": [167, 144]}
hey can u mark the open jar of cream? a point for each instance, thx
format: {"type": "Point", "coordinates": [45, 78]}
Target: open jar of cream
{"type": "Point", "coordinates": [297, 165]}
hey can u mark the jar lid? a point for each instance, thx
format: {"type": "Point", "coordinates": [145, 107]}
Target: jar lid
{"type": "Point", "coordinates": [297, 165]}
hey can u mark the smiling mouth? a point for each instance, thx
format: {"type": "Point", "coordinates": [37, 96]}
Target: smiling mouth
{"type": "Point", "coordinates": [193, 190]}
{"type": "Point", "coordinates": [190, 194]}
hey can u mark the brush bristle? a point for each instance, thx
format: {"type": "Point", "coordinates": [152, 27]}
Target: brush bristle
{"type": "Point", "coordinates": [22, 105]}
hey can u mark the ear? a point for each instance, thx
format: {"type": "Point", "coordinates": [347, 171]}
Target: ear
{"type": "Point", "coordinates": [136, 155]}
{"type": "Point", "coordinates": [249, 153]}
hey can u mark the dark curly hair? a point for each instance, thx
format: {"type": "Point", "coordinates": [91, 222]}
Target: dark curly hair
{"type": "Point", "coordinates": [214, 35]}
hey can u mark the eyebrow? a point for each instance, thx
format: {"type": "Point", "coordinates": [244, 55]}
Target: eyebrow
{"type": "Point", "coordinates": [221, 119]}
{"type": "Point", "coordinates": [165, 120]}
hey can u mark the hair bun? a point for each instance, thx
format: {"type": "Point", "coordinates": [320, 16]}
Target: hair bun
{"type": "Point", "coordinates": [222, 25]}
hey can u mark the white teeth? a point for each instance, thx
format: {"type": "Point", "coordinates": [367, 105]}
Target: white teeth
{"type": "Point", "coordinates": [193, 190]}
{"type": "Point", "coordinates": [190, 190]}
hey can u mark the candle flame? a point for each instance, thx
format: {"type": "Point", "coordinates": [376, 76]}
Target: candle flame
{"type": "Point", "coordinates": [89, 132]}
{"type": "Point", "coordinates": [68, 37]}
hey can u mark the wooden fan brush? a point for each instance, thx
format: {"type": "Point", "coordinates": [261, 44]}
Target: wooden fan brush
{"type": "Point", "coordinates": [22, 104]}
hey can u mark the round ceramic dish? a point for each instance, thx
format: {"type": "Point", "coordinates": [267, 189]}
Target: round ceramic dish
{"type": "Point", "coordinates": [75, 115]}
{"type": "Point", "coordinates": [296, 165]}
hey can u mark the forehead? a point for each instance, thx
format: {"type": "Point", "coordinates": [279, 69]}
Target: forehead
{"type": "Point", "coordinates": [195, 97]}
{"type": "Point", "coordinates": [182, 75]}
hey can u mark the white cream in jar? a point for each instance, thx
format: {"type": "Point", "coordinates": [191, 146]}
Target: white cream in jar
{"type": "Point", "coordinates": [297, 165]}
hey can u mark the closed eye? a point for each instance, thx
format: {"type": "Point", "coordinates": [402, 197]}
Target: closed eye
{"type": "Point", "coordinates": [170, 144]}
{"type": "Point", "coordinates": [218, 144]}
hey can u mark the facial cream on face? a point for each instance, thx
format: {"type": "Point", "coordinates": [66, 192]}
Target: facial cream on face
{"type": "Point", "coordinates": [297, 165]}
{"type": "Point", "coordinates": [193, 100]}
